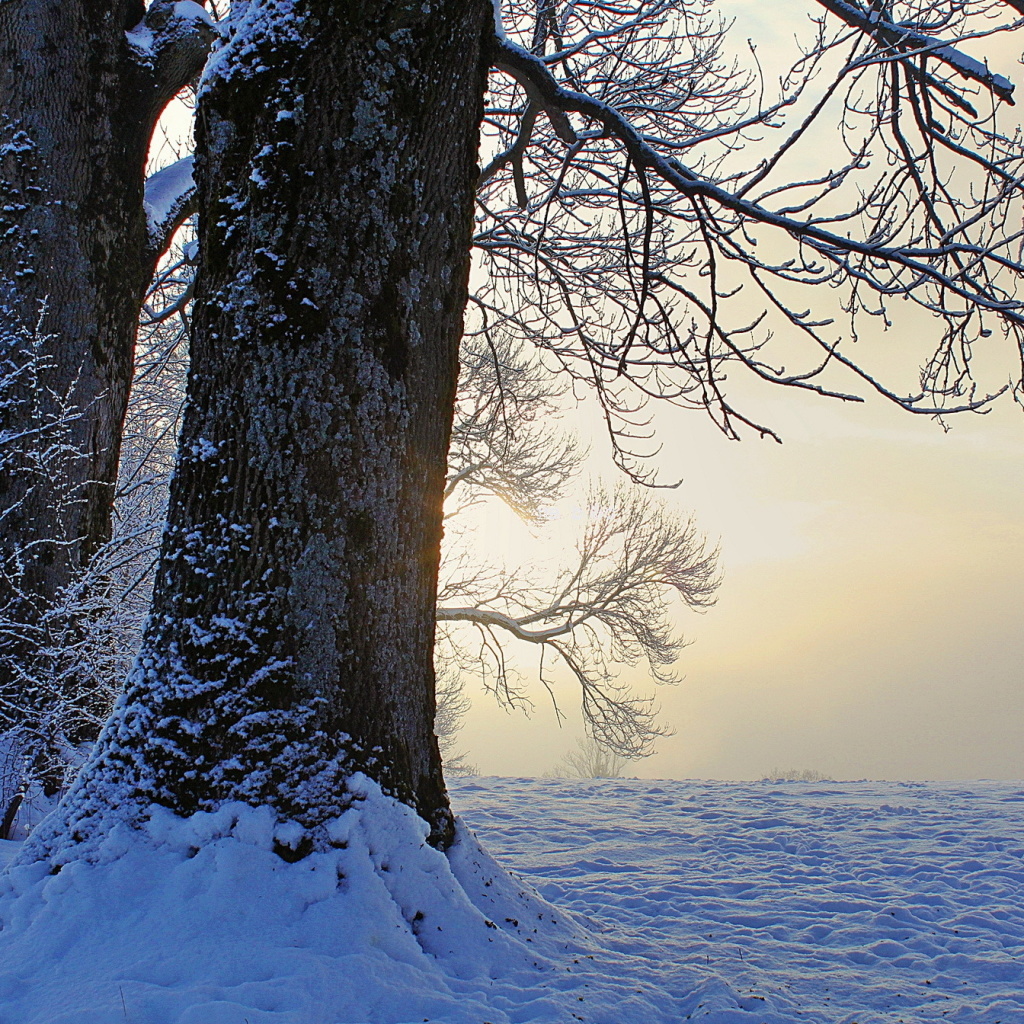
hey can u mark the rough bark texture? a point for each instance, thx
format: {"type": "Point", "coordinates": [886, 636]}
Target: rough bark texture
{"type": "Point", "coordinates": [78, 103]}
{"type": "Point", "coordinates": [291, 638]}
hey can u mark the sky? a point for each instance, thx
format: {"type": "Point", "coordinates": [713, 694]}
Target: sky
{"type": "Point", "coordinates": [869, 620]}
{"type": "Point", "coordinates": [869, 624]}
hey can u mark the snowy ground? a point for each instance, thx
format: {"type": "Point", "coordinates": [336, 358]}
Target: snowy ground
{"type": "Point", "coordinates": [727, 903]}
{"type": "Point", "coordinates": [828, 903]}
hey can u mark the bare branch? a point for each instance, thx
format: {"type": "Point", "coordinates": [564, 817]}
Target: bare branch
{"type": "Point", "coordinates": [502, 439]}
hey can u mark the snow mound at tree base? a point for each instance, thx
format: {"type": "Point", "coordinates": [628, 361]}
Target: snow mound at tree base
{"type": "Point", "coordinates": [199, 921]}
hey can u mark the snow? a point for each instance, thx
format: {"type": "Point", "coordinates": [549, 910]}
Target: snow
{"type": "Point", "coordinates": [189, 10]}
{"type": "Point", "coordinates": [654, 903]}
{"type": "Point", "coordinates": [971, 68]}
{"type": "Point", "coordinates": [829, 903]}
{"type": "Point", "coordinates": [184, 15]}
{"type": "Point", "coordinates": [250, 30]}
{"type": "Point", "coordinates": [499, 22]}
{"type": "Point", "coordinates": [141, 39]}
{"type": "Point", "coordinates": [166, 189]}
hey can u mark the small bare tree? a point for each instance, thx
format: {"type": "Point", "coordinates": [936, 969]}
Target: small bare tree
{"type": "Point", "coordinates": [452, 706]}
{"type": "Point", "coordinates": [33, 741]}
{"type": "Point", "coordinates": [589, 760]}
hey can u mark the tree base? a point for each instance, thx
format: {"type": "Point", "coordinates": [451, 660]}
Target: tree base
{"type": "Point", "coordinates": [205, 921]}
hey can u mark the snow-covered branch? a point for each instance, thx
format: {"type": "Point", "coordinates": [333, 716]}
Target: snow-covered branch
{"type": "Point", "coordinates": [687, 182]}
{"type": "Point", "coordinates": [486, 617]}
{"type": "Point", "coordinates": [908, 43]}
{"type": "Point", "coordinates": [169, 202]}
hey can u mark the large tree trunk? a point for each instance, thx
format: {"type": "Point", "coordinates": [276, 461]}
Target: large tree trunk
{"type": "Point", "coordinates": [291, 638]}
{"type": "Point", "coordinates": [79, 97]}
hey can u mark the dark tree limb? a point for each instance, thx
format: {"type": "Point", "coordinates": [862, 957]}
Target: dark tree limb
{"type": "Point", "coordinates": [170, 46]}
{"type": "Point", "coordinates": [900, 38]}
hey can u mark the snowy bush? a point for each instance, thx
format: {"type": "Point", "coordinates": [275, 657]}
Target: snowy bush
{"type": "Point", "coordinates": [589, 760]}
{"type": "Point", "coordinates": [796, 775]}
{"type": "Point", "coordinates": [68, 664]}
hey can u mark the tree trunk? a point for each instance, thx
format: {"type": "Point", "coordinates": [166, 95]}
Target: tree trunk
{"type": "Point", "coordinates": [79, 98]}
{"type": "Point", "coordinates": [291, 638]}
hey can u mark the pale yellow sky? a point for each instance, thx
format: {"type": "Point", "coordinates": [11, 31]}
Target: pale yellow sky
{"type": "Point", "coordinates": [870, 622]}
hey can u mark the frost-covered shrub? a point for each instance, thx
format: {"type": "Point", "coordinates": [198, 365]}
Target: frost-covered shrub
{"type": "Point", "coordinates": [64, 665]}
{"type": "Point", "coordinates": [796, 775]}
{"type": "Point", "coordinates": [589, 760]}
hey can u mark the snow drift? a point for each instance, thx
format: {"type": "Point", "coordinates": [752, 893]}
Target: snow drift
{"type": "Point", "coordinates": [200, 921]}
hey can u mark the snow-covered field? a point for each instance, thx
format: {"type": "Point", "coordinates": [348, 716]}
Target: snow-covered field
{"type": "Point", "coordinates": [830, 903]}
{"type": "Point", "coordinates": [660, 902]}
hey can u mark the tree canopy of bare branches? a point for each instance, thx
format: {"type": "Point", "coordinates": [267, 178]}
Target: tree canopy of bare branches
{"type": "Point", "coordinates": [651, 214]}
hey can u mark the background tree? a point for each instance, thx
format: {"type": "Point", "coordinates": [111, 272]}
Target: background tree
{"type": "Point", "coordinates": [795, 775]}
{"type": "Point", "coordinates": [290, 639]}
{"type": "Point", "coordinates": [607, 607]}
{"type": "Point", "coordinates": [589, 760]}
{"type": "Point", "coordinates": [452, 705]}
{"type": "Point", "coordinates": [82, 87]}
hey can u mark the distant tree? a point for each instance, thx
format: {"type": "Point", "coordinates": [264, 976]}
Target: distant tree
{"type": "Point", "coordinates": [290, 642]}
{"type": "Point", "coordinates": [505, 442]}
{"type": "Point", "coordinates": [796, 775]}
{"type": "Point", "coordinates": [607, 606]}
{"type": "Point", "coordinates": [589, 760]}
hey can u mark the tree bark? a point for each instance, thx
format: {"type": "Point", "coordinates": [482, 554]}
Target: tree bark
{"type": "Point", "coordinates": [291, 638]}
{"type": "Point", "coordinates": [79, 97]}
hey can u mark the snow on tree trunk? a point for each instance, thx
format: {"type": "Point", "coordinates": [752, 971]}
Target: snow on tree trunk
{"type": "Point", "coordinates": [291, 637]}
{"type": "Point", "coordinates": [79, 96]}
